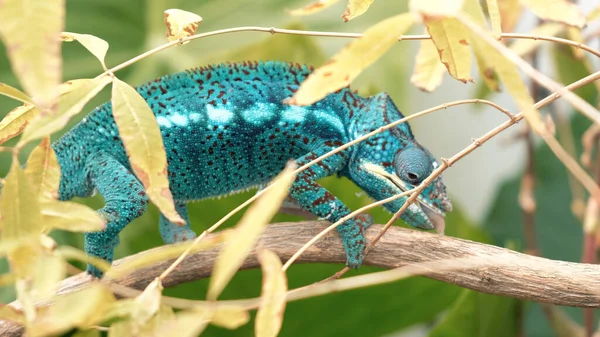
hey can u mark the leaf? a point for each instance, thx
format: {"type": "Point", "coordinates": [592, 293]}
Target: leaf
{"type": "Point", "coordinates": [313, 7]}
{"type": "Point", "coordinates": [429, 71]}
{"type": "Point", "coordinates": [181, 24]}
{"type": "Point", "coordinates": [350, 61]}
{"type": "Point", "coordinates": [71, 253]}
{"type": "Point", "coordinates": [273, 298]}
{"type": "Point", "coordinates": [14, 93]}
{"type": "Point", "coordinates": [94, 44]}
{"type": "Point", "coordinates": [186, 324]}
{"type": "Point", "coordinates": [355, 9]}
{"type": "Point", "coordinates": [9, 313]}
{"type": "Point", "coordinates": [49, 271]}
{"type": "Point", "coordinates": [43, 171]}
{"type": "Point", "coordinates": [574, 34]}
{"type": "Point", "coordinates": [478, 315]}
{"type": "Point", "coordinates": [557, 10]}
{"type": "Point", "coordinates": [510, 12]}
{"type": "Point", "coordinates": [71, 216]}
{"type": "Point", "coordinates": [247, 232]}
{"type": "Point", "coordinates": [436, 8]}
{"type": "Point", "coordinates": [141, 137]}
{"type": "Point", "coordinates": [230, 318]}
{"type": "Point", "coordinates": [451, 40]}
{"type": "Point", "coordinates": [30, 31]}
{"type": "Point", "coordinates": [16, 120]}
{"type": "Point", "coordinates": [71, 103]}
{"type": "Point", "coordinates": [147, 258]}
{"type": "Point", "coordinates": [81, 309]}
{"type": "Point", "coordinates": [147, 303]}
{"type": "Point", "coordinates": [524, 46]}
{"type": "Point", "coordinates": [495, 19]}
{"type": "Point", "coordinates": [480, 47]}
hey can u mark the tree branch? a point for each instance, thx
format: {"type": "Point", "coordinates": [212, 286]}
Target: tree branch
{"type": "Point", "coordinates": [526, 277]}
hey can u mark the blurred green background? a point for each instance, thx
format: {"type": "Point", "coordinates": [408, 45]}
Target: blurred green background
{"type": "Point", "coordinates": [424, 306]}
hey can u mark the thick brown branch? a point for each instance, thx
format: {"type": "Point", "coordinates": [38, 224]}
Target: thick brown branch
{"type": "Point", "coordinates": [526, 277]}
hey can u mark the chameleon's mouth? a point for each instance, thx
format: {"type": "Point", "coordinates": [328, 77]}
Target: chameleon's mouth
{"type": "Point", "coordinates": [434, 216]}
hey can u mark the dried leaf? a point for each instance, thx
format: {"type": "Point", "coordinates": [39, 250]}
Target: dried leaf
{"type": "Point", "coordinates": [143, 143]}
{"type": "Point", "coordinates": [147, 303]}
{"type": "Point", "coordinates": [186, 324]}
{"type": "Point", "coordinates": [9, 313]}
{"type": "Point", "coordinates": [43, 171]}
{"type": "Point", "coordinates": [557, 10]}
{"type": "Point", "coordinates": [451, 40]}
{"type": "Point", "coordinates": [94, 44]}
{"type": "Point", "coordinates": [355, 9]}
{"type": "Point", "coordinates": [350, 61]}
{"type": "Point", "coordinates": [70, 104]}
{"type": "Point", "coordinates": [150, 257]}
{"type": "Point", "coordinates": [247, 232]}
{"type": "Point", "coordinates": [480, 47]}
{"type": "Point", "coordinates": [14, 93]}
{"type": "Point", "coordinates": [312, 8]}
{"type": "Point", "coordinates": [436, 8]}
{"type": "Point", "coordinates": [81, 309]}
{"type": "Point", "coordinates": [494, 13]}
{"type": "Point", "coordinates": [429, 71]}
{"type": "Point", "coordinates": [71, 216]}
{"type": "Point", "coordinates": [270, 313]}
{"type": "Point", "coordinates": [510, 12]}
{"type": "Point", "coordinates": [16, 120]}
{"type": "Point", "coordinates": [30, 31]}
{"type": "Point", "coordinates": [230, 318]}
{"type": "Point", "coordinates": [181, 24]}
{"type": "Point", "coordinates": [50, 270]}
{"type": "Point", "coordinates": [525, 46]}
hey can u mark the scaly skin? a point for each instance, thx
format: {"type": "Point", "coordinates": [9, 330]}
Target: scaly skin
{"type": "Point", "coordinates": [225, 129]}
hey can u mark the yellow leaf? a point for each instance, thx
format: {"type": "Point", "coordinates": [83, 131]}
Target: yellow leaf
{"type": "Point", "coordinates": [82, 309]}
{"type": "Point", "coordinates": [9, 313]}
{"type": "Point", "coordinates": [594, 14]}
{"type": "Point", "coordinates": [313, 7]}
{"type": "Point", "coordinates": [14, 93]}
{"type": "Point", "coordinates": [494, 13]}
{"type": "Point", "coordinates": [71, 216]}
{"type": "Point", "coordinates": [70, 104]}
{"type": "Point", "coordinates": [143, 143]}
{"type": "Point", "coordinates": [71, 253]}
{"type": "Point", "coordinates": [30, 31]}
{"type": "Point", "coordinates": [43, 170]}
{"type": "Point", "coordinates": [94, 44]}
{"type": "Point", "coordinates": [147, 303]}
{"type": "Point", "coordinates": [525, 46]}
{"type": "Point", "coordinates": [451, 40]}
{"type": "Point", "coordinates": [230, 318]}
{"type": "Point", "coordinates": [557, 10]}
{"type": "Point", "coordinates": [16, 120]}
{"type": "Point", "coordinates": [510, 11]}
{"type": "Point", "coordinates": [247, 232]}
{"type": "Point", "coordinates": [144, 259]}
{"type": "Point", "coordinates": [356, 8]}
{"type": "Point", "coordinates": [181, 24]}
{"type": "Point", "coordinates": [350, 61]}
{"type": "Point", "coordinates": [435, 8]}
{"type": "Point", "coordinates": [50, 270]}
{"type": "Point", "coordinates": [88, 333]}
{"type": "Point", "coordinates": [574, 34]}
{"type": "Point", "coordinates": [480, 47]}
{"type": "Point", "coordinates": [270, 313]}
{"type": "Point", "coordinates": [186, 324]}
{"type": "Point", "coordinates": [429, 71]}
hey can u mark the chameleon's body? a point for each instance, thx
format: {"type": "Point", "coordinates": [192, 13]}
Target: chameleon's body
{"type": "Point", "coordinates": [225, 128]}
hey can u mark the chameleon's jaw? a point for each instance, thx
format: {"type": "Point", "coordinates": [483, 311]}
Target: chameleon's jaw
{"type": "Point", "coordinates": [431, 216]}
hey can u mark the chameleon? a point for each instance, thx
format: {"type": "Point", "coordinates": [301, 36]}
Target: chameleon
{"type": "Point", "coordinates": [226, 128]}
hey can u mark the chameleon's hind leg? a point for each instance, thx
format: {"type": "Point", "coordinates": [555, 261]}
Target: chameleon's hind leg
{"type": "Point", "coordinates": [171, 232]}
{"type": "Point", "coordinates": [291, 207]}
{"type": "Point", "coordinates": [124, 198]}
{"type": "Point", "coordinates": [315, 198]}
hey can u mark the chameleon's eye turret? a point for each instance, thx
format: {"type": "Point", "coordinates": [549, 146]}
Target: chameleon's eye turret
{"type": "Point", "coordinates": [413, 164]}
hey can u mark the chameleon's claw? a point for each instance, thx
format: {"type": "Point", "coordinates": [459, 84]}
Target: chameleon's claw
{"type": "Point", "coordinates": [354, 240]}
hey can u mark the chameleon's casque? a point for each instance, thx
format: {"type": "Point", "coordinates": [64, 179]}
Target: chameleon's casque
{"type": "Point", "coordinates": [226, 129]}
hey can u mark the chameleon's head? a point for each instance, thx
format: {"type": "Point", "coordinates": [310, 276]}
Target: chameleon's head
{"type": "Point", "coordinates": [393, 162]}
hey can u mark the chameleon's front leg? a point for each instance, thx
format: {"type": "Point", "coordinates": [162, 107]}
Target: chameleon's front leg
{"type": "Point", "coordinates": [171, 232]}
{"type": "Point", "coordinates": [125, 200]}
{"type": "Point", "coordinates": [315, 198]}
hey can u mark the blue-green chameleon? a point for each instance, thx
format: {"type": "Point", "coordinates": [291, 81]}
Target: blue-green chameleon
{"type": "Point", "coordinates": [226, 128]}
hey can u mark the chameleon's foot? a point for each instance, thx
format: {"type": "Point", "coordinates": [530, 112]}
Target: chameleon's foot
{"type": "Point", "coordinates": [179, 234]}
{"type": "Point", "coordinates": [94, 272]}
{"type": "Point", "coordinates": [100, 245]}
{"type": "Point", "coordinates": [352, 233]}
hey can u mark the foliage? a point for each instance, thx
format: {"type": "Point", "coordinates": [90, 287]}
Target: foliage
{"type": "Point", "coordinates": [36, 227]}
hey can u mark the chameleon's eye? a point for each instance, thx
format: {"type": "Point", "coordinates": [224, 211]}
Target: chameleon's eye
{"type": "Point", "coordinates": [412, 164]}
